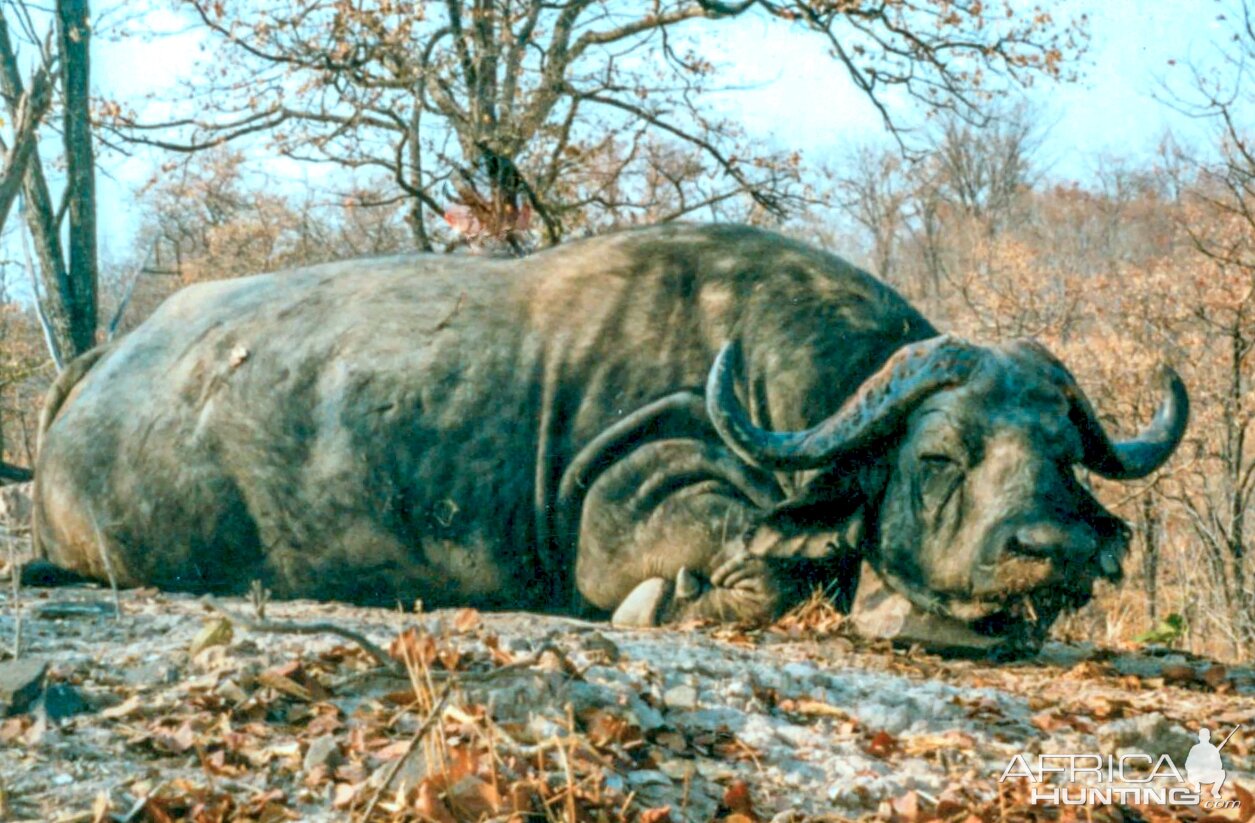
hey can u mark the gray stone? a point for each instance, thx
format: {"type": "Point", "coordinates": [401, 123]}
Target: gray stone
{"type": "Point", "coordinates": [789, 816]}
{"type": "Point", "coordinates": [72, 610]}
{"type": "Point", "coordinates": [648, 777]}
{"type": "Point", "coordinates": [230, 690]}
{"type": "Point", "coordinates": [1150, 734]}
{"type": "Point", "coordinates": [322, 751]}
{"type": "Point", "coordinates": [21, 683]}
{"type": "Point", "coordinates": [154, 673]}
{"type": "Point", "coordinates": [681, 697]}
{"type": "Point", "coordinates": [408, 775]}
{"type": "Point", "coordinates": [647, 717]}
{"type": "Point", "coordinates": [880, 613]}
{"type": "Point", "coordinates": [676, 769]}
{"type": "Point", "coordinates": [61, 700]}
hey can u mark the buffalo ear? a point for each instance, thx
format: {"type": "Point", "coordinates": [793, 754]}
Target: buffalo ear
{"type": "Point", "coordinates": [834, 505]}
{"type": "Point", "coordinates": [821, 535]}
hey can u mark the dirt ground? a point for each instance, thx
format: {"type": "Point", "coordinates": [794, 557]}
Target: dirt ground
{"type": "Point", "coordinates": [168, 707]}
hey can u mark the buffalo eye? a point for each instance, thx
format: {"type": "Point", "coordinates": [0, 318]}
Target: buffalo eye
{"type": "Point", "coordinates": [931, 462]}
{"type": "Point", "coordinates": [939, 478]}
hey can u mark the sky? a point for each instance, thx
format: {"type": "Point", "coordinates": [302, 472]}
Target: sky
{"type": "Point", "coordinates": [790, 93]}
{"type": "Point", "coordinates": [800, 100]}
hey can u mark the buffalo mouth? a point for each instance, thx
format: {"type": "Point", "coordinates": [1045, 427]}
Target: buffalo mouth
{"type": "Point", "coordinates": [1025, 596]}
{"type": "Point", "coordinates": [1025, 618]}
{"type": "Point", "coordinates": [1012, 623]}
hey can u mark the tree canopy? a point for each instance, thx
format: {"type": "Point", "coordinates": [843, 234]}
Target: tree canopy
{"type": "Point", "coordinates": [567, 114]}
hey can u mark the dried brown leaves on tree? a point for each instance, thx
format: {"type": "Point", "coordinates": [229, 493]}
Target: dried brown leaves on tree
{"type": "Point", "coordinates": [502, 115]}
{"type": "Point", "coordinates": [1141, 264]}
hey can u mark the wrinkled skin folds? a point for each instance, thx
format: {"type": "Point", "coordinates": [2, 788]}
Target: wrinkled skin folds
{"type": "Point", "coordinates": [676, 422]}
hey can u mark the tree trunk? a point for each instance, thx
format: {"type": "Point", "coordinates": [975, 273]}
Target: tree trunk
{"type": "Point", "coordinates": [74, 27]}
{"type": "Point", "coordinates": [415, 218]}
{"type": "Point", "coordinates": [1150, 555]}
{"type": "Point", "coordinates": [58, 298]}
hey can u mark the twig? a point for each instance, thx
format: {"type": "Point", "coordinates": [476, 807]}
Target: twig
{"type": "Point", "coordinates": [417, 738]}
{"type": "Point", "coordinates": [141, 804]}
{"type": "Point", "coordinates": [275, 627]}
{"type": "Point", "coordinates": [510, 668]}
{"type": "Point", "coordinates": [566, 766]}
{"type": "Point", "coordinates": [380, 656]}
{"type": "Point", "coordinates": [258, 596]}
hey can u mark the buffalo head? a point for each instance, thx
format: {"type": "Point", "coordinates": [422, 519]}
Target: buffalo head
{"type": "Point", "coordinates": [961, 462]}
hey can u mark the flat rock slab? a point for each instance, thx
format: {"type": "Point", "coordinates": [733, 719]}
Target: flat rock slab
{"type": "Point", "coordinates": [21, 684]}
{"type": "Point", "coordinates": [71, 610]}
{"type": "Point", "coordinates": [879, 613]}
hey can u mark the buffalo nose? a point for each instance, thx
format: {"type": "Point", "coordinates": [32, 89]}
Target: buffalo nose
{"type": "Point", "coordinates": [1047, 540]}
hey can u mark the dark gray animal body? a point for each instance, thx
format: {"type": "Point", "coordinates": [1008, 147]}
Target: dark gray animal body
{"type": "Point", "coordinates": [539, 433]}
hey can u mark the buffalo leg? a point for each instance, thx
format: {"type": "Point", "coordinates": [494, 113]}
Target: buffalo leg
{"type": "Point", "coordinates": [663, 538]}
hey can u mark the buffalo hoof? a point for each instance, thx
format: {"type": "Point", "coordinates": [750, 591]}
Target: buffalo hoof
{"type": "Point", "coordinates": [644, 606]}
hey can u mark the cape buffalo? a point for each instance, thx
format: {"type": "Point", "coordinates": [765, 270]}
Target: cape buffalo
{"type": "Point", "coordinates": [717, 414]}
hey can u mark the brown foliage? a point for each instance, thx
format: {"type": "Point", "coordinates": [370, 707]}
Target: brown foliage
{"type": "Point", "coordinates": [580, 112]}
{"type": "Point", "coordinates": [1140, 266]}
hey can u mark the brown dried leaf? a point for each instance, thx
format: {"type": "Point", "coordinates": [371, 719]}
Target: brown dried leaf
{"type": "Point", "coordinates": [428, 804]}
{"type": "Point", "coordinates": [155, 811]}
{"type": "Point", "coordinates": [1246, 802]}
{"type": "Point", "coordinates": [101, 807]}
{"type": "Point", "coordinates": [907, 808]}
{"type": "Point", "coordinates": [465, 619]}
{"type": "Point", "coordinates": [473, 798]}
{"type": "Point", "coordinates": [414, 646]}
{"type": "Point", "coordinates": [1102, 707]}
{"type": "Point", "coordinates": [1089, 670]}
{"type": "Point", "coordinates": [1216, 676]}
{"type": "Point", "coordinates": [216, 631]}
{"type": "Point", "coordinates": [500, 656]}
{"type": "Point", "coordinates": [275, 679]}
{"type": "Point", "coordinates": [449, 658]}
{"type": "Point", "coordinates": [1049, 721]}
{"type": "Point", "coordinates": [1178, 675]}
{"type": "Point", "coordinates": [124, 709]}
{"type": "Point", "coordinates": [178, 741]}
{"type": "Point", "coordinates": [882, 744]}
{"type": "Point", "coordinates": [736, 799]}
{"type": "Point", "coordinates": [605, 728]}
{"type": "Point", "coordinates": [817, 708]}
{"type": "Point", "coordinates": [953, 740]}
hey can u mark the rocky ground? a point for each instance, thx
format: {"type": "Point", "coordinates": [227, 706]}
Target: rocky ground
{"type": "Point", "coordinates": [165, 707]}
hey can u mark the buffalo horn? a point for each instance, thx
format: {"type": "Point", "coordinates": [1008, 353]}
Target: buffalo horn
{"type": "Point", "coordinates": [908, 377]}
